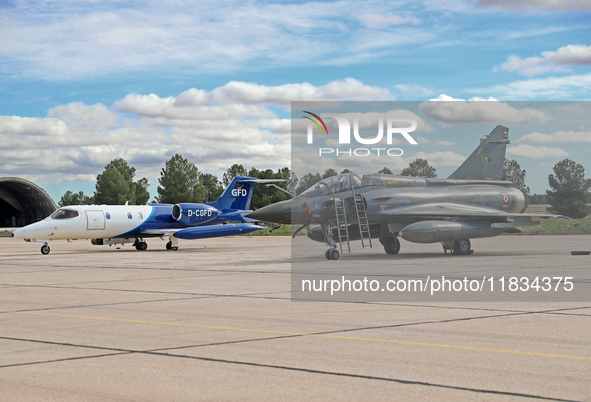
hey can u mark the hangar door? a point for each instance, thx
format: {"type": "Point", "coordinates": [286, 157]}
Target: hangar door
{"type": "Point", "coordinates": [95, 220]}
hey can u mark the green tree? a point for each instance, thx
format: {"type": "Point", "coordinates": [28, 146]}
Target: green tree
{"type": "Point", "coordinates": [70, 198]}
{"type": "Point", "coordinates": [179, 182]}
{"type": "Point", "coordinates": [288, 174]}
{"type": "Point", "coordinates": [307, 181]}
{"type": "Point", "coordinates": [115, 186]}
{"type": "Point", "coordinates": [385, 170]}
{"type": "Point", "coordinates": [570, 189]}
{"type": "Point", "coordinates": [112, 188]}
{"type": "Point", "coordinates": [233, 171]}
{"type": "Point", "coordinates": [346, 171]}
{"type": "Point", "coordinates": [329, 173]}
{"type": "Point", "coordinates": [512, 172]}
{"type": "Point", "coordinates": [141, 191]}
{"type": "Point", "coordinates": [263, 195]}
{"type": "Point", "coordinates": [419, 168]}
{"type": "Point", "coordinates": [538, 199]}
{"type": "Point", "coordinates": [212, 186]}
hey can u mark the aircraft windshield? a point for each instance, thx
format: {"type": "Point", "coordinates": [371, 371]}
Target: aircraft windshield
{"type": "Point", "coordinates": [337, 183]}
{"type": "Point", "coordinates": [64, 214]}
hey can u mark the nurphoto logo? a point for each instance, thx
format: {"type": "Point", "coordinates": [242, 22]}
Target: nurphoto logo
{"type": "Point", "coordinates": [394, 126]}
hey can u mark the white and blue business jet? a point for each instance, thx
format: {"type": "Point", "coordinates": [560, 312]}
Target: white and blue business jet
{"type": "Point", "coordinates": [118, 224]}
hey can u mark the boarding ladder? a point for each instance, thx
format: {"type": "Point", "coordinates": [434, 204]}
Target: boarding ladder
{"type": "Point", "coordinates": [341, 222]}
{"type": "Point", "coordinates": [341, 219]}
{"type": "Point", "coordinates": [362, 221]}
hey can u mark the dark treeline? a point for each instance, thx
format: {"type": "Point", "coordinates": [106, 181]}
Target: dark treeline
{"type": "Point", "coordinates": [180, 181]}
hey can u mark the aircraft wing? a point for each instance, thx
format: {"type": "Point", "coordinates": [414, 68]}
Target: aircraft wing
{"type": "Point", "coordinates": [206, 231]}
{"type": "Point", "coordinates": [160, 232]}
{"type": "Point", "coordinates": [452, 210]}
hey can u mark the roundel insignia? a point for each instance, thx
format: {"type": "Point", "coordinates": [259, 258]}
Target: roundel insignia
{"type": "Point", "coordinates": [505, 198]}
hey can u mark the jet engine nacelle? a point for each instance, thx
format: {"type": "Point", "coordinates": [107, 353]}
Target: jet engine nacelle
{"type": "Point", "coordinates": [194, 214]}
{"type": "Point", "coordinates": [437, 231]}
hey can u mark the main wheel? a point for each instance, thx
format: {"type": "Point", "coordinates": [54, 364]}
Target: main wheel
{"type": "Point", "coordinates": [142, 246]}
{"type": "Point", "coordinates": [334, 254]}
{"type": "Point", "coordinates": [462, 247]}
{"type": "Point", "coordinates": [169, 245]}
{"type": "Point", "coordinates": [392, 245]}
{"type": "Point", "coordinates": [45, 249]}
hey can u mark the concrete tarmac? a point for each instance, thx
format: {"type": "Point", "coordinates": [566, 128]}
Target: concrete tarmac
{"type": "Point", "coordinates": [215, 321]}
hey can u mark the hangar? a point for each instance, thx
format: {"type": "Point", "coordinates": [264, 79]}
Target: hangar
{"type": "Point", "coordinates": [23, 202]}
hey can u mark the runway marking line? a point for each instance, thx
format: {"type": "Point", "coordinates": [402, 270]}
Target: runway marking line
{"type": "Point", "coordinates": [327, 336]}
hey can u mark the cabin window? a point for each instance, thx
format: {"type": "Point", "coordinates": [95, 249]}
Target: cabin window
{"type": "Point", "coordinates": [64, 214]}
{"type": "Point", "coordinates": [139, 215]}
{"type": "Point", "coordinates": [129, 215]}
{"type": "Point", "coordinates": [108, 215]}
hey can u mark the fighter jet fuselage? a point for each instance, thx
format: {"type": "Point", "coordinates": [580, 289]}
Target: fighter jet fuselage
{"type": "Point", "coordinates": [471, 203]}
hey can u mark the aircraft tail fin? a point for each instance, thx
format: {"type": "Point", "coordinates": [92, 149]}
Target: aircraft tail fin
{"type": "Point", "coordinates": [238, 194]}
{"type": "Point", "coordinates": [486, 162]}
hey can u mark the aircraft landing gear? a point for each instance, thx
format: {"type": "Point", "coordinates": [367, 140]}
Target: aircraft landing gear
{"type": "Point", "coordinates": [332, 254]}
{"type": "Point", "coordinates": [391, 245]}
{"type": "Point", "coordinates": [462, 247]}
{"type": "Point", "coordinates": [45, 249]}
{"type": "Point", "coordinates": [173, 244]}
{"type": "Point", "coordinates": [140, 245]}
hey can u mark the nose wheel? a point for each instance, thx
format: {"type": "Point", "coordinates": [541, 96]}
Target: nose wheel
{"type": "Point", "coordinates": [45, 249]}
{"type": "Point", "coordinates": [332, 254]}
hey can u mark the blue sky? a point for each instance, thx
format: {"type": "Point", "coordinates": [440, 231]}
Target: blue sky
{"type": "Point", "coordinates": [83, 83]}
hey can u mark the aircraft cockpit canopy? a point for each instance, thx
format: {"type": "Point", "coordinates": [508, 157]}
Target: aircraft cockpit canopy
{"type": "Point", "coordinates": [64, 213]}
{"type": "Point", "coordinates": [334, 184]}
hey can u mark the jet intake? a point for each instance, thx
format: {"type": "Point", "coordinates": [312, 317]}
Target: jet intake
{"type": "Point", "coordinates": [438, 231]}
{"type": "Point", "coordinates": [194, 214]}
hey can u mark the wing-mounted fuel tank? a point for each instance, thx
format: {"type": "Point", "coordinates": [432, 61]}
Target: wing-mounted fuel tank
{"type": "Point", "coordinates": [194, 214]}
{"type": "Point", "coordinates": [439, 231]}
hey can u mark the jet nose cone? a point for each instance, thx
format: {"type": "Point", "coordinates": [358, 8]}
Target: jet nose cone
{"type": "Point", "coordinates": [19, 233]}
{"type": "Point", "coordinates": [280, 212]}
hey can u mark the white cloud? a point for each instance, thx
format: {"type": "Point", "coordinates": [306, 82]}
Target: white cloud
{"type": "Point", "coordinates": [74, 40]}
{"type": "Point", "coordinates": [31, 126]}
{"type": "Point", "coordinates": [560, 136]}
{"type": "Point", "coordinates": [439, 158]}
{"type": "Point", "coordinates": [214, 129]}
{"type": "Point", "coordinates": [568, 87]}
{"type": "Point", "coordinates": [413, 90]}
{"type": "Point", "coordinates": [542, 5]}
{"type": "Point", "coordinates": [551, 61]}
{"type": "Point", "coordinates": [378, 21]}
{"type": "Point", "coordinates": [76, 178]}
{"type": "Point", "coordinates": [347, 89]}
{"type": "Point", "coordinates": [529, 151]}
{"type": "Point", "coordinates": [446, 143]}
{"type": "Point", "coordinates": [447, 109]}
{"type": "Point", "coordinates": [78, 113]}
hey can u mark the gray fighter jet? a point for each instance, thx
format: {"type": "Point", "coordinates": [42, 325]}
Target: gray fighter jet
{"type": "Point", "coordinates": [471, 203]}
